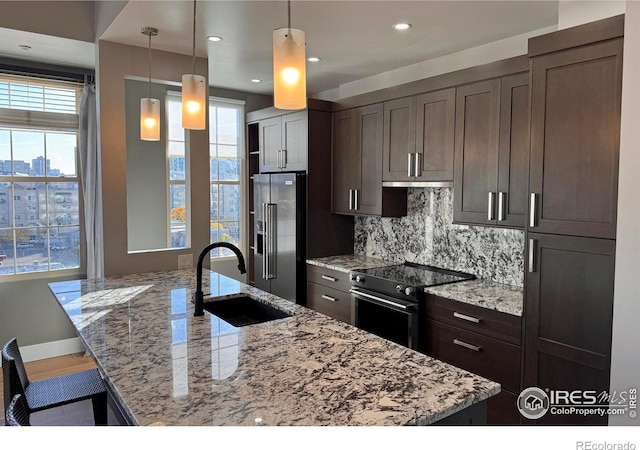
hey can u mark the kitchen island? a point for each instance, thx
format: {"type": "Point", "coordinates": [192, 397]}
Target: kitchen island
{"type": "Point", "coordinates": [163, 365]}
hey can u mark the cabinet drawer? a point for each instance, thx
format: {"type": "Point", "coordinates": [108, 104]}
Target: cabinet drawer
{"type": "Point", "coordinates": [487, 322]}
{"type": "Point", "coordinates": [487, 357]}
{"type": "Point", "coordinates": [329, 277]}
{"type": "Point", "coordinates": [332, 302]}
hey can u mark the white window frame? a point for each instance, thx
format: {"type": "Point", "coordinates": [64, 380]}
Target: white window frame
{"type": "Point", "coordinates": [239, 104]}
{"type": "Point", "coordinates": [177, 96]}
{"type": "Point", "coordinates": [25, 120]}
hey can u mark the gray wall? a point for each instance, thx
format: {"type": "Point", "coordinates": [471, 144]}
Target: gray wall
{"type": "Point", "coordinates": [146, 173]}
{"type": "Point", "coordinates": [625, 357]}
{"type": "Point", "coordinates": [29, 313]}
{"type": "Point", "coordinates": [427, 236]}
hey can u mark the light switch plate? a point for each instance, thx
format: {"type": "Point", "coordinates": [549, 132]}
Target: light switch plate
{"type": "Point", "coordinates": [185, 261]}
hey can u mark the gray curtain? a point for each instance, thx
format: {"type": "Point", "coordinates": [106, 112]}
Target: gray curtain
{"type": "Point", "coordinates": [91, 182]}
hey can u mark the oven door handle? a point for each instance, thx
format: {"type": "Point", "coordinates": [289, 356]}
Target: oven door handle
{"type": "Point", "coordinates": [358, 293]}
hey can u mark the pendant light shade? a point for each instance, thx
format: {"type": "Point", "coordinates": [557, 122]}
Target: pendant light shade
{"type": "Point", "coordinates": [289, 69]}
{"type": "Point", "coordinates": [194, 92]}
{"type": "Point", "coordinates": [149, 107]}
{"type": "Point", "coordinates": [149, 119]}
{"type": "Point", "coordinates": [194, 97]}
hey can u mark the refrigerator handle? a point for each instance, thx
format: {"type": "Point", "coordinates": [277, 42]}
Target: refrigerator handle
{"type": "Point", "coordinates": [272, 270]}
{"type": "Point", "coordinates": [265, 242]}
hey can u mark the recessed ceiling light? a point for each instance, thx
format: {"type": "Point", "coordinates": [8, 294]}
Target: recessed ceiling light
{"type": "Point", "coordinates": [214, 38]}
{"type": "Point", "coordinates": [313, 59]}
{"type": "Point", "coordinates": [402, 26]}
{"type": "Point", "coordinates": [25, 47]}
{"type": "Point", "coordinates": [256, 80]}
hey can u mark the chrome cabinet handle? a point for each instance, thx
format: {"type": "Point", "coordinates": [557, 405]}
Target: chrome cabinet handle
{"type": "Point", "coordinates": [532, 210]}
{"type": "Point", "coordinates": [532, 252]}
{"type": "Point", "coordinates": [279, 152]}
{"type": "Point", "coordinates": [464, 344]}
{"type": "Point", "coordinates": [350, 199]}
{"type": "Point", "coordinates": [356, 199]}
{"type": "Point", "coordinates": [490, 206]}
{"type": "Point", "coordinates": [501, 203]}
{"type": "Point", "coordinates": [410, 165]}
{"type": "Point", "coordinates": [284, 159]}
{"type": "Point", "coordinates": [465, 317]}
{"type": "Point", "coordinates": [328, 278]}
{"type": "Point", "coordinates": [417, 168]}
{"type": "Point", "coordinates": [327, 297]}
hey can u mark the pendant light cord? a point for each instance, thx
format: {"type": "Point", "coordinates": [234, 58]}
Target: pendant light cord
{"type": "Point", "coordinates": [149, 64]}
{"type": "Point", "coordinates": [194, 38]}
{"type": "Point", "coordinates": [289, 15]}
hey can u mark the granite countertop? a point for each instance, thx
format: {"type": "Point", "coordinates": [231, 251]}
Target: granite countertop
{"type": "Point", "coordinates": [486, 294]}
{"type": "Point", "coordinates": [165, 365]}
{"type": "Point", "coordinates": [347, 263]}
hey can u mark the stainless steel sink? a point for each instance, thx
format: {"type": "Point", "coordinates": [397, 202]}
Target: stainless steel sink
{"type": "Point", "coordinates": [243, 311]}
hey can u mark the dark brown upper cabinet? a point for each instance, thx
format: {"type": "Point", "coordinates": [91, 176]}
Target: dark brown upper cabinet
{"type": "Point", "coordinates": [283, 143]}
{"type": "Point", "coordinates": [491, 152]}
{"type": "Point", "coordinates": [419, 139]}
{"type": "Point", "coordinates": [357, 165]}
{"type": "Point", "coordinates": [575, 136]}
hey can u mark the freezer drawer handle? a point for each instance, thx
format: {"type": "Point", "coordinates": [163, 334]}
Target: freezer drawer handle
{"type": "Point", "coordinates": [327, 297]}
{"type": "Point", "coordinates": [465, 317]}
{"type": "Point", "coordinates": [464, 344]}
{"type": "Point", "coordinates": [328, 278]}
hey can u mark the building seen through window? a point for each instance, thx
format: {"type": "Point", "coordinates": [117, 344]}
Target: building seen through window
{"type": "Point", "coordinates": [40, 215]}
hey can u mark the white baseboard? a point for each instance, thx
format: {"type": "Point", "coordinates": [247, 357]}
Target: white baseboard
{"type": "Point", "coordinates": [51, 349]}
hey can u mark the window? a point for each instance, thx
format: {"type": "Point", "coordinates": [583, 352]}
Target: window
{"type": "Point", "coordinates": [226, 148]}
{"type": "Point", "coordinates": [40, 212]}
{"type": "Point", "coordinates": [177, 200]}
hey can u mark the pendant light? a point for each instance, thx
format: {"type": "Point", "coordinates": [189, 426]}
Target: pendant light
{"type": "Point", "coordinates": [194, 92]}
{"type": "Point", "coordinates": [149, 107]}
{"type": "Point", "coordinates": [289, 67]}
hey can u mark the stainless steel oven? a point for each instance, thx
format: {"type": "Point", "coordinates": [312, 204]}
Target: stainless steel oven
{"type": "Point", "coordinates": [388, 317]}
{"type": "Point", "coordinates": [387, 299]}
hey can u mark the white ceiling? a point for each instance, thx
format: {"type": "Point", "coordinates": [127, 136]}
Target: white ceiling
{"type": "Point", "coordinates": [355, 39]}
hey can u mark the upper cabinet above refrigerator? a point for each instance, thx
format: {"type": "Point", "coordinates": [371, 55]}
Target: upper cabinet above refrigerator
{"type": "Point", "coordinates": [283, 143]}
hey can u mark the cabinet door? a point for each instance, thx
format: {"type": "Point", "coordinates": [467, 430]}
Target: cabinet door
{"type": "Point", "coordinates": [368, 174]}
{"type": "Point", "coordinates": [569, 311]}
{"type": "Point", "coordinates": [435, 135]}
{"type": "Point", "coordinates": [399, 138]}
{"type": "Point", "coordinates": [476, 152]}
{"type": "Point", "coordinates": [294, 138]}
{"type": "Point", "coordinates": [575, 137]}
{"type": "Point", "coordinates": [270, 144]}
{"type": "Point", "coordinates": [513, 163]}
{"type": "Point", "coordinates": [344, 156]}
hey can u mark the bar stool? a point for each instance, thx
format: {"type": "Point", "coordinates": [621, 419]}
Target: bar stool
{"type": "Point", "coordinates": [51, 392]}
{"type": "Point", "coordinates": [17, 414]}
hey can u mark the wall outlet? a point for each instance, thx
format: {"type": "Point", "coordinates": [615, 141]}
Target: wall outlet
{"type": "Point", "coordinates": [185, 261]}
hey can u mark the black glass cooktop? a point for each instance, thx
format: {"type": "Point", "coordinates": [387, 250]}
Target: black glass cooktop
{"type": "Point", "coordinates": [416, 275]}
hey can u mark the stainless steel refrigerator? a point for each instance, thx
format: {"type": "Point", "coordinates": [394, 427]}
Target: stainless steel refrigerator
{"type": "Point", "coordinates": [280, 238]}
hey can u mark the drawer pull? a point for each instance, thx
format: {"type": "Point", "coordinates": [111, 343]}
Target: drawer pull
{"type": "Point", "coordinates": [328, 278]}
{"type": "Point", "coordinates": [465, 317]}
{"type": "Point", "coordinates": [475, 348]}
{"type": "Point", "coordinates": [331, 299]}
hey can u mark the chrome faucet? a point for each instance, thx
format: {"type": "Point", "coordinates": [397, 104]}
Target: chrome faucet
{"type": "Point", "coordinates": [198, 296]}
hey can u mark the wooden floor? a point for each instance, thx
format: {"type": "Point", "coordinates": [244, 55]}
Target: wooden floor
{"type": "Point", "coordinates": [75, 414]}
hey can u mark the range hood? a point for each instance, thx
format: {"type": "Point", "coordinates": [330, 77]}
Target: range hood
{"type": "Point", "coordinates": [418, 184]}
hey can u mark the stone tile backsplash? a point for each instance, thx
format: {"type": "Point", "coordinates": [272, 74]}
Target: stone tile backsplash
{"type": "Point", "coordinates": [427, 236]}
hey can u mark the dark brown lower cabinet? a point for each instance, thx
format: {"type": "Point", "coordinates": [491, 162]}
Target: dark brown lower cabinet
{"type": "Point", "coordinates": [328, 292]}
{"type": "Point", "coordinates": [569, 311]}
{"type": "Point", "coordinates": [482, 341]}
